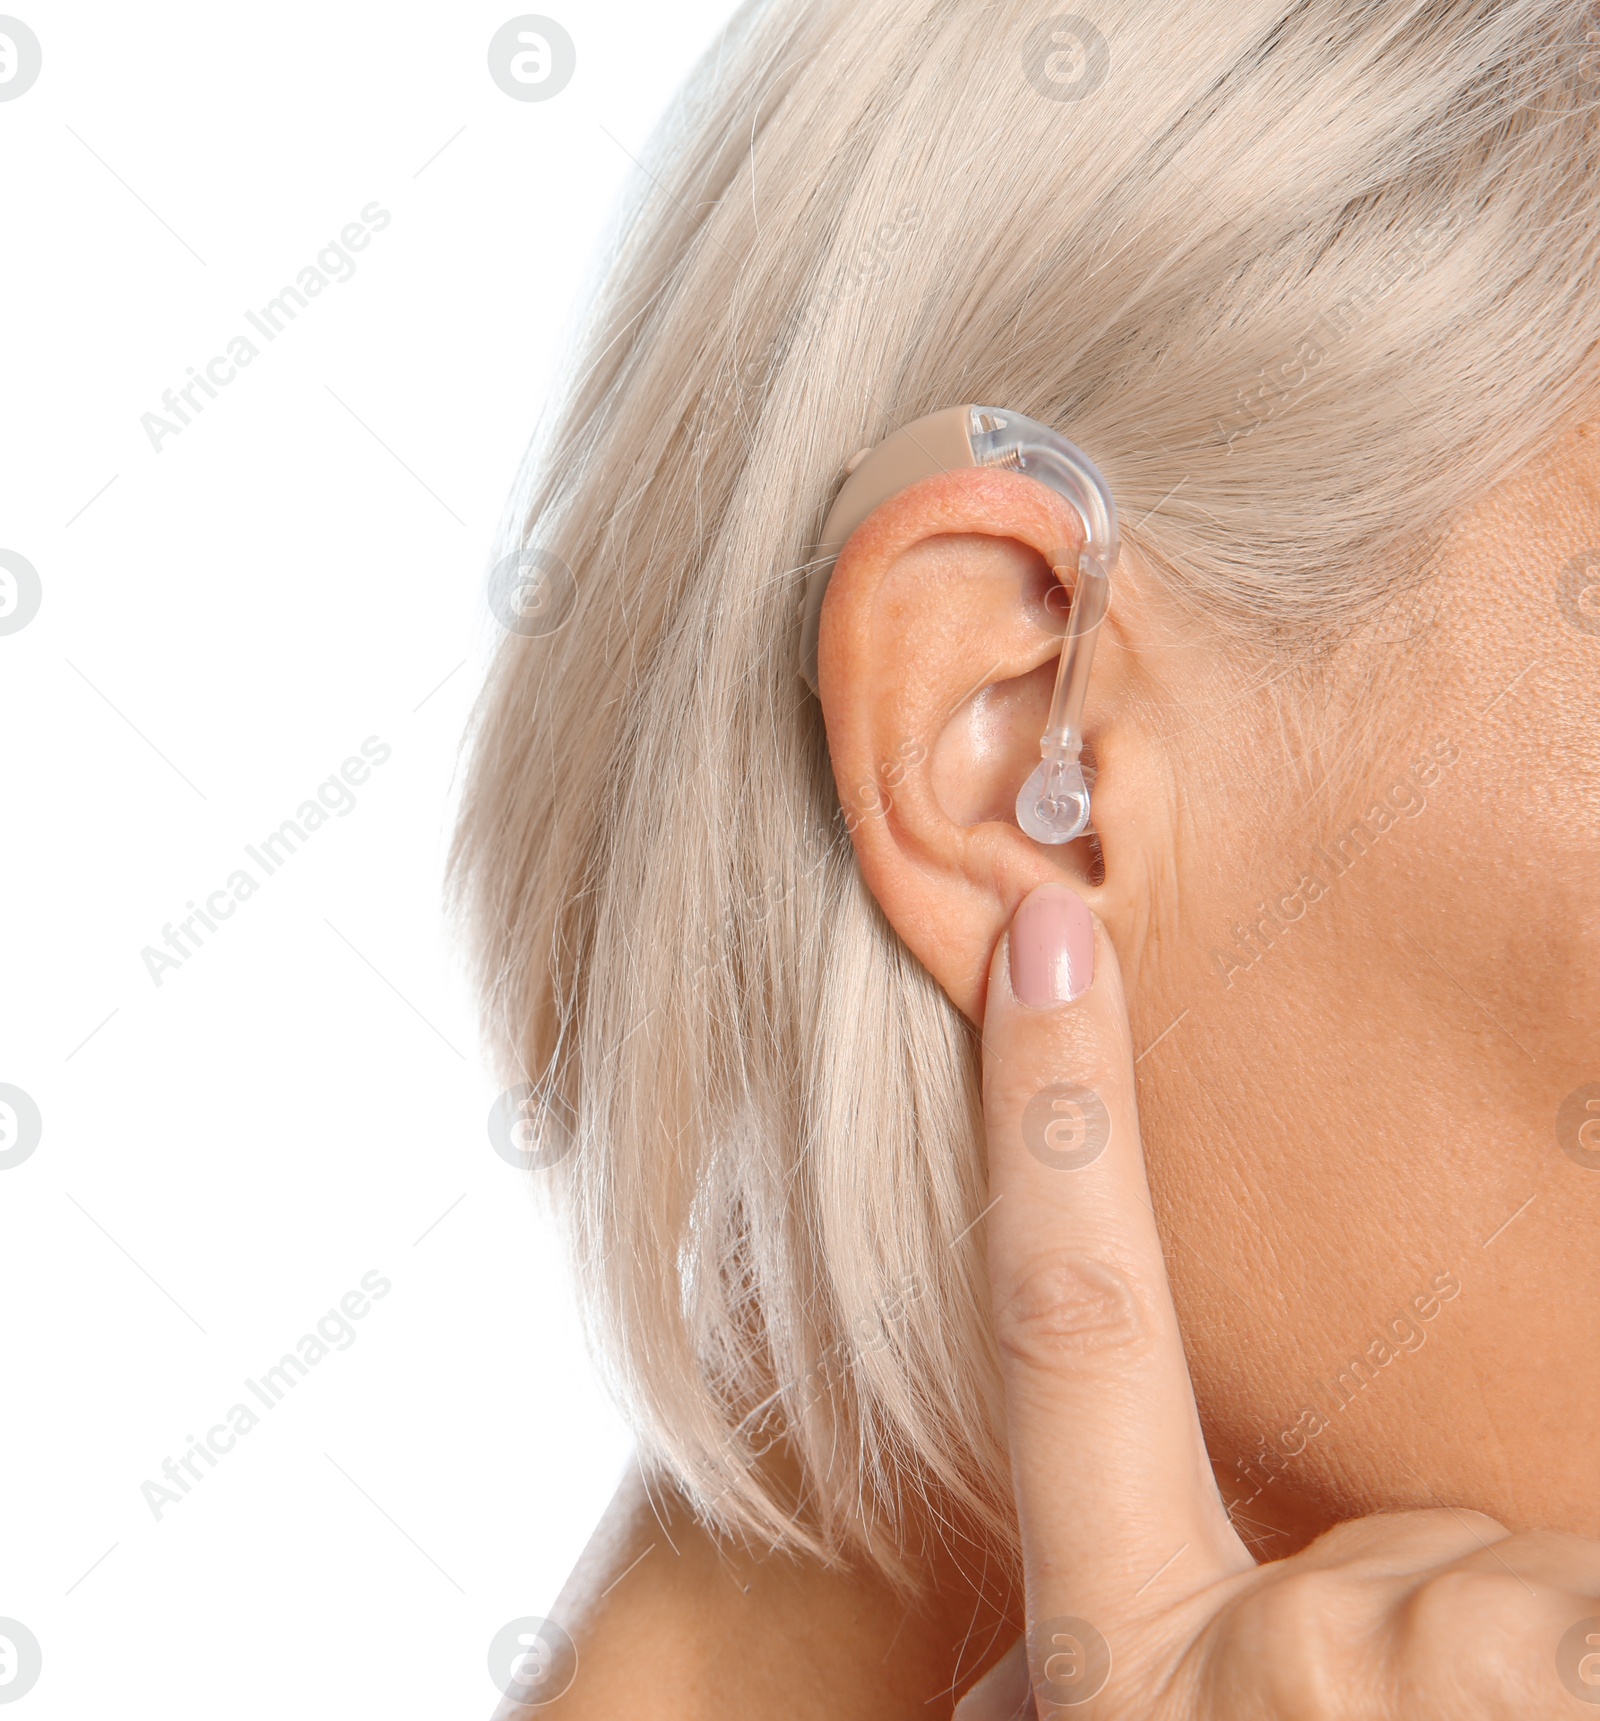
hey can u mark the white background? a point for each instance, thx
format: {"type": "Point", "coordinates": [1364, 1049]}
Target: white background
{"type": "Point", "coordinates": [223, 622]}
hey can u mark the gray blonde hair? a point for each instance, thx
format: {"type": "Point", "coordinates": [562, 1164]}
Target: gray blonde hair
{"type": "Point", "coordinates": [1301, 277]}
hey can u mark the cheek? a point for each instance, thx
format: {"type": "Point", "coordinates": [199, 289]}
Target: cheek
{"type": "Point", "coordinates": [1366, 1091]}
{"type": "Point", "coordinates": [1294, 1162]}
{"type": "Point", "coordinates": [1359, 1093]}
{"type": "Point", "coordinates": [1532, 818]}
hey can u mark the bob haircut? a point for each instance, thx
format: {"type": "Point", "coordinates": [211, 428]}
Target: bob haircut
{"type": "Point", "coordinates": [1373, 226]}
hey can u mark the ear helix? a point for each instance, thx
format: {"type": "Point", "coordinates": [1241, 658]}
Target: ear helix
{"type": "Point", "coordinates": [1053, 805]}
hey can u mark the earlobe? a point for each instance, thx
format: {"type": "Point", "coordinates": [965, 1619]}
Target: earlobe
{"type": "Point", "coordinates": [937, 653]}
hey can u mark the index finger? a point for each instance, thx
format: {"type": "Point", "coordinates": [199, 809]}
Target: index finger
{"type": "Point", "coordinates": [1119, 1508]}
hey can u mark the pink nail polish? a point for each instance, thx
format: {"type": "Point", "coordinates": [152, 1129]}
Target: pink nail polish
{"type": "Point", "coordinates": [1052, 947]}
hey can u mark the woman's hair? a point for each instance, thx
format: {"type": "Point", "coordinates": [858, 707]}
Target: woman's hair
{"type": "Point", "coordinates": [1302, 279]}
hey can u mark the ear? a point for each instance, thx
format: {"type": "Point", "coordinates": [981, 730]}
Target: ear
{"type": "Point", "coordinates": [936, 659]}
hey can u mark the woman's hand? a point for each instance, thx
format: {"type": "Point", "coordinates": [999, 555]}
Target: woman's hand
{"type": "Point", "coordinates": [1142, 1600]}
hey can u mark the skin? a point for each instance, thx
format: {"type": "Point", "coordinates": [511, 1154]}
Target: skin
{"type": "Point", "coordinates": [1348, 1120]}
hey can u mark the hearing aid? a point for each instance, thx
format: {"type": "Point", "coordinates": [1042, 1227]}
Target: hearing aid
{"type": "Point", "coordinates": [1053, 805]}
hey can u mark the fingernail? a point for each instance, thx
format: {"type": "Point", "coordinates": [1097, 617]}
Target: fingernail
{"type": "Point", "coordinates": [1052, 947]}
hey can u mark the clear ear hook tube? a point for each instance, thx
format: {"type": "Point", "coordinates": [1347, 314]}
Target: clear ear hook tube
{"type": "Point", "coordinates": [1053, 805]}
